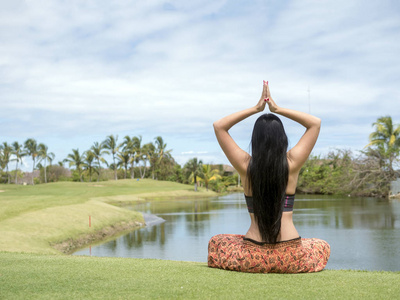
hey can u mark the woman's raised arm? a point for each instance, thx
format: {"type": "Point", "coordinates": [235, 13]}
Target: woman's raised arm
{"type": "Point", "coordinates": [299, 153]}
{"type": "Point", "coordinates": [237, 156]}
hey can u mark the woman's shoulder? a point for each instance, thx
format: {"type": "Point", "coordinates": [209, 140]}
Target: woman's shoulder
{"type": "Point", "coordinates": [293, 163]}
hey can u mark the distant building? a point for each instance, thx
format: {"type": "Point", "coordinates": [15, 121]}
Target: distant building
{"type": "Point", "coordinates": [228, 170]}
{"type": "Point", "coordinates": [225, 170]}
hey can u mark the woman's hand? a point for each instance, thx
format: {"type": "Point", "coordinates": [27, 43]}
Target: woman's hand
{"type": "Point", "coordinates": [271, 103]}
{"type": "Point", "coordinates": [261, 103]}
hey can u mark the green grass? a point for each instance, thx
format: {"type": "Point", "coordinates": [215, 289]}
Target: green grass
{"type": "Point", "coordinates": [17, 199]}
{"type": "Point", "coordinates": [32, 276]}
{"type": "Point", "coordinates": [32, 218]}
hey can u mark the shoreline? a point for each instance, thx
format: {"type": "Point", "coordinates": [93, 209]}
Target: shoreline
{"type": "Point", "coordinates": [72, 245]}
{"type": "Point", "coordinates": [113, 231]}
{"type": "Point", "coordinates": [54, 218]}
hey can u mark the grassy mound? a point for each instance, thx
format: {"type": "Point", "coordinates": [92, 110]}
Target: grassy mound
{"type": "Point", "coordinates": [35, 218]}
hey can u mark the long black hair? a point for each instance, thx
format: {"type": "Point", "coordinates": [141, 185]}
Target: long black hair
{"type": "Point", "coordinates": [268, 173]}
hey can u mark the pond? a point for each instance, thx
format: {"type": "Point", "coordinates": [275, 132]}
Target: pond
{"type": "Point", "coordinates": [363, 232]}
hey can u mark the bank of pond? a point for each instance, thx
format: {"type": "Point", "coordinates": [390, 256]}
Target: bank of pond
{"type": "Point", "coordinates": [363, 232]}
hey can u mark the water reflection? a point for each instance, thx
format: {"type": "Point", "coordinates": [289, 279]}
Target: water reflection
{"type": "Point", "coordinates": [348, 213]}
{"type": "Point", "coordinates": [361, 231]}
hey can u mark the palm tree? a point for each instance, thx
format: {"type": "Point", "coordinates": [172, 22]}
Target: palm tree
{"type": "Point", "coordinates": [208, 174]}
{"type": "Point", "coordinates": [130, 149]}
{"type": "Point", "coordinates": [111, 144]}
{"type": "Point", "coordinates": [161, 151]}
{"type": "Point", "coordinates": [77, 160]}
{"type": "Point", "coordinates": [89, 157]}
{"type": "Point", "coordinates": [19, 152]}
{"type": "Point", "coordinates": [112, 167]}
{"type": "Point", "coordinates": [32, 149]}
{"type": "Point", "coordinates": [2, 165]}
{"type": "Point", "coordinates": [386, 139]}
{"type": "Point", "coordinates": [161, 148]}
{"type": "Point", "coordinates": [150, 155]}
{"type": "Point", "coordinates": [194, 169]}
{"type": "Point", "coordinates": [4, 159]}
{"type": "Point", "coordinates": [45, 155]}
{"type": "Point", "coordinates": [124, 159]}
{"type": "Point", "coordinates": [98, 151]}
{"type": "Point", "coordinates": [7, 151]}
{"type": "Point", "coordinates": [137, 144]}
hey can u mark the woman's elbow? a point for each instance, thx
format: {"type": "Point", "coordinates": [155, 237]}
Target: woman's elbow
{"type": "Point", "coordinates": [317, 123]}
{"type": "Point", "coordinates": [216, 125]}
{"type": "Point", "coordinates": [220, 126]}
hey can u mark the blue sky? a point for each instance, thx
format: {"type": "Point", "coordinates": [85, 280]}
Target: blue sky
{"type": "Point", "coordinates": [73, 72]}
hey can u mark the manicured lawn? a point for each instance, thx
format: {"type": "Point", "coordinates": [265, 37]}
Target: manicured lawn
{"type": "Point", "coordinates": [32, 218]}
{"type": "Point", "coordinates": [17, 199]}
{"type": "Point", "coordinates": [32, 276]}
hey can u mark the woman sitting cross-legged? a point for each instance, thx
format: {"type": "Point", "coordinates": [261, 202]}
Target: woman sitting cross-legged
{"type": "Point", "coordinates": [272, 243]}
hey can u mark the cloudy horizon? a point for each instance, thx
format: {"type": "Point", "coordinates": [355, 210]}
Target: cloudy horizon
{"type": "Point", "coordinates": [73, 72]}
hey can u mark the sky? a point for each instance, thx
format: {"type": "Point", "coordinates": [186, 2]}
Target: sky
{"type": "Point", "coordinates": [73, 72]}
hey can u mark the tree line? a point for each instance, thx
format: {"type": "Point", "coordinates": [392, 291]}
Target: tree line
{"type": "Point", "coordinates": [130, 158]}
{"type": "Point", "coordinates": [367, 174]}
{"type": "Point", "coordinates": [339, 172]}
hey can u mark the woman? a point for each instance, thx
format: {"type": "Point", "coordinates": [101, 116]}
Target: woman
{"type": "Point", "coordinates": [272, 243]}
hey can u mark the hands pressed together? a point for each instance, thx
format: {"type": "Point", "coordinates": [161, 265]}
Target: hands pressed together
{"type": "Point", "coordinates": [266, 99]}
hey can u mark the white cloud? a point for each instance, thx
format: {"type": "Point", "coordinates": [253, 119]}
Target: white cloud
{"type": "Point", "coordinates": [78, 70]}
{"type": "Point", "coordinates": [187, 152]}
